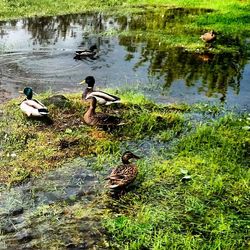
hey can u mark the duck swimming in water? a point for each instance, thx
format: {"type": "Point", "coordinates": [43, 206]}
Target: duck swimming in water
{"type": "Point", "coordinates": [124, 174]}
{"type": "Point", "coordinates": [91, 52]}
{"type": "Point", "coordinates": [32, 107]}
{"type": "Point", "coordinates": [99, 119]}
{"type": "Point", "coordinates": [101, 97]}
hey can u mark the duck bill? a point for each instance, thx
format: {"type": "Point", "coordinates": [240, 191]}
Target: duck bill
{"type": "Point", "coordinates": [137, 157]}
{"type": "Point", "coordinates": [20, 92]}
{"type": "Point", "coordinates": [82, 82]}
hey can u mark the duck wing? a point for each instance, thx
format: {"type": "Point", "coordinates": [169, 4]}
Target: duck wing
{"type": "Point", "coordinates": [85, 53]}
{"type": "Point", "coordinates": [122, 175]}
{"type": "Point", "coordinates": [103, 97]}
{"type": "Point", "coordinates": [104, 119]}
{"type": "Point", "coordinates": [33, 108]}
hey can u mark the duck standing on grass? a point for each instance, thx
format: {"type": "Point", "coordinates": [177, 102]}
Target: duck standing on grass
{"type": "Point", "coordinates": [124, 174]}
{"type": "Point", "coordinates": [208, 37]}
{"type": "Point", "coordinates": [32, 107]}
{"type": "Point", "coordinates": [101, 97]}
{"type": "Point", "coordinates": [99, 119]}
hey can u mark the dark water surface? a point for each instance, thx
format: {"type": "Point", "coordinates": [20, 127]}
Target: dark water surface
{"type": "Point", "coordinates": [39, 52]}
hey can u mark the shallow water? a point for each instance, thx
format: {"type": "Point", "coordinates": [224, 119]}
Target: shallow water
{"type": "Point", "coordinates": [39, 52]}
{"type": "Point", "coordinates": [48, 213]}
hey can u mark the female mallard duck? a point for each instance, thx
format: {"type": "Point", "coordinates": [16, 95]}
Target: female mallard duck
{"type": "Point", "coordinates": [99, 119]}
{"type": "Point", "coordinates": [124, 174]}
{"type": "Point", "coordinates": [32, 107]}
{"type": "Point", "coordinates": [91, 52]}
{"type": "Point", "coordinates": [101, 97]}
{"type": "Point", "coordinates": [208, 37]}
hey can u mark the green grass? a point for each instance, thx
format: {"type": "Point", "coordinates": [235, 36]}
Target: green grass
{"type": "Point", "coordinates": [30, 147]}
{"type": "Point", "coordinates": [207, 212]}
{"type": "Point", "coordinates": [161, 210]}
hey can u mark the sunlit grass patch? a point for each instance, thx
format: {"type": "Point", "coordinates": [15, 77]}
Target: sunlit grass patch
{"type": "Point", "coordinates": [198, 212]}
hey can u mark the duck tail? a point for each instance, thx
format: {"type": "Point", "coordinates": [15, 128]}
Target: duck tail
{"type": "Point", "coordinates": [43, 111]}
{"type": "Point", "coordinates": [111, 102]}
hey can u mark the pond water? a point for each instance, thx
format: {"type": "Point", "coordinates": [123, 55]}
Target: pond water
{"type": "Point", "coordinates": [39, 52]}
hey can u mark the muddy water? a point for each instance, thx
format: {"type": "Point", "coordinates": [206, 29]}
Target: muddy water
{"type": "Point", "coordinates": [40, 52]}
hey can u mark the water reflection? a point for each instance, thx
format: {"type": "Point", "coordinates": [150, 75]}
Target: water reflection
{"type": "Point", "coordinates": [40, 51]}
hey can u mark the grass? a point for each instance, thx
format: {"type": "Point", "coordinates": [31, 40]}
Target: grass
{"type": "Point", "coordinates": [193, 182]}
{"type": "Point", "coordinates": [192, 187]}
{"type": "Point", "coordinates": [207, 212]}
{"type": "Point", "coordinates": [26, 143]}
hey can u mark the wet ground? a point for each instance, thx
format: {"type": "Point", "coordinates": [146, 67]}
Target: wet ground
{"type": "Point", "coordinates": [57, 211]}
{"type": "Point", "coordinates": [39, 52]}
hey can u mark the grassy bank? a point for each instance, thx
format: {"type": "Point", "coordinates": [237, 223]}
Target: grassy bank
{"type": "Point", "coordinates": [25, 8]}
{"type": "Point", "coordinates": [192, 187]}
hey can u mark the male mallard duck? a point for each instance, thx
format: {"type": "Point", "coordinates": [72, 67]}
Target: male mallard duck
{"type": "Point", "coordinates": [99, 119]}
{"type": "Point", "coordinates": [124, 174]}
{"type": "Point", "coordinates": [91, 52]}
{"type": "Point", "coordinates": [32, 107]}
{"type": "Point", "coordinates": [208, 37]}
{"type": "Point", "coordinates": [101, 97]}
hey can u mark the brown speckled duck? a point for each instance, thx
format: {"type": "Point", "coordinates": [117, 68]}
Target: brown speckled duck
{"type": "Point", "coordinates": [208, 37]}
{"type": "Point", "coordinates": [99, 119]}
{"type": "Point", "coordinates": [101, 97]}
{"type": "Point", "coordinates": [124, 174]}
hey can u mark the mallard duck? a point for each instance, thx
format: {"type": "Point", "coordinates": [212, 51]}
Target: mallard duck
{"type": "Point", "coordinates": [101, 97]}
{"type": "Point", "coordinates": [91, 52]}
{"type": "Point", "coordinates": [124, 174]}
{"type": "Point", "coordinates": [208, 37]}
{"type": "Point", "coordinates": [99, 119]}
{"type": "Point", "coordinates": [32, 107]}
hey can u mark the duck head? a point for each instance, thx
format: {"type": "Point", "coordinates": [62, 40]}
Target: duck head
{"type": "Point", "coordinates": [127, 156]}
{"type": "Point", "coordinates": [28, 92]}
{"type": "Point", "coordinates": [93, 47]}
{"type": "Point", "coordinates": [90, 80]}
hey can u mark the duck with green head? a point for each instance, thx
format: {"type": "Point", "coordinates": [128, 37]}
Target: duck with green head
{"type": "Point", "coordinates": [86, 53]}
{"type": "Point", "coordinates": [124, 174]}
{"type": "Point", "coordinates": [32, 107]}
{"type": "Point", "coordinates": [101, 97]}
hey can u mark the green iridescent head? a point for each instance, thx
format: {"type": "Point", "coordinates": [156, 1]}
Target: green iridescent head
{"type": "Point", "coordinates": [28, 92]}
